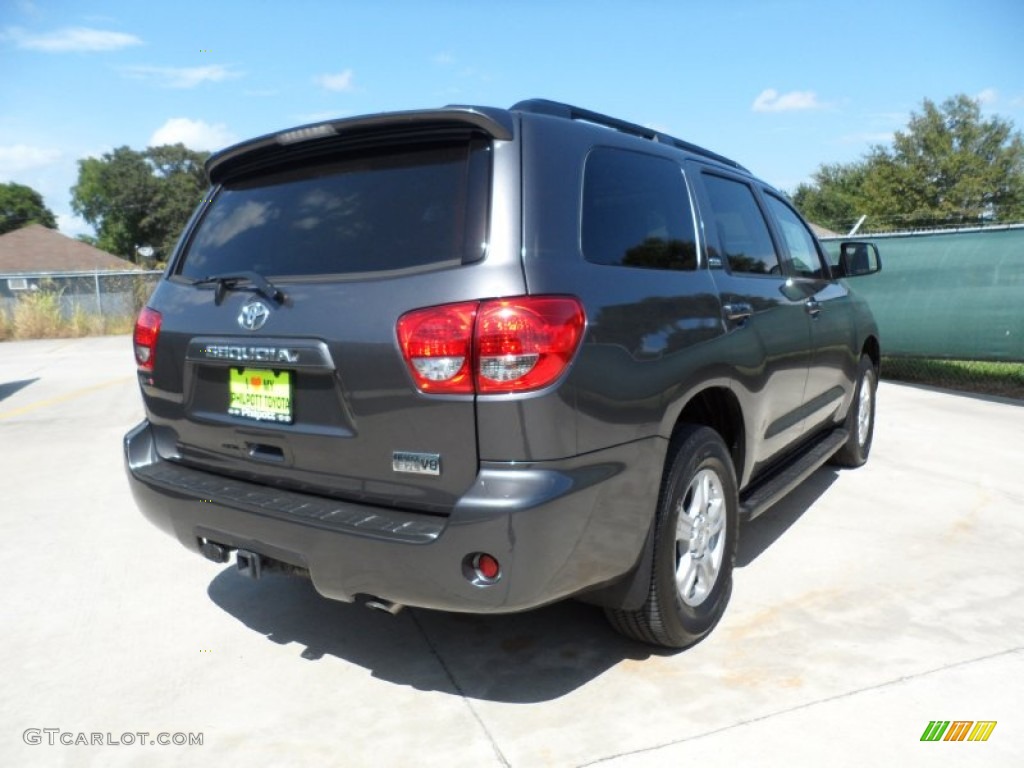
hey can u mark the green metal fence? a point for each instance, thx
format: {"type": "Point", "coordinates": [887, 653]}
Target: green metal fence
{"type": "Point", "coordinates": [950, 296]}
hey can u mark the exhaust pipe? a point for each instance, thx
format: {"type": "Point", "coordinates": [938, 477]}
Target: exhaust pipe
{"type": "Point", "coordinates": [211, 550]}
{"type": "Point", "coordinates": [380, 604]}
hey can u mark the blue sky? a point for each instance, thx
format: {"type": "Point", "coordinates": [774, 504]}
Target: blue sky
{"type": "Point", "coordinates": [782, 86]}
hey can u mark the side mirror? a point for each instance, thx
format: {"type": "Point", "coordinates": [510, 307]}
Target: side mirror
{"type": "Point", "coordinates": [856, 259]}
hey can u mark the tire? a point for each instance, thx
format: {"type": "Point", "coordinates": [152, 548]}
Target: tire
{"type": "Point", "coordinates": [860, 420]}
{"type": "Point", "coordinates": [694, 545]}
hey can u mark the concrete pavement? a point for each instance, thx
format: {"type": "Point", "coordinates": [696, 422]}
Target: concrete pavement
{"type": "Point", "coordinates": [867, 604]}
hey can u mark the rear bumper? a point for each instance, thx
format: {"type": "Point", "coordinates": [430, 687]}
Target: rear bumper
{"type": "Point", "coordinates": [557, 528]}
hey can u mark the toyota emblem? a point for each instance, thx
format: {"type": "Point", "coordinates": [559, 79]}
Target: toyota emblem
{"type": "Point", "coordinates": [253, 315]}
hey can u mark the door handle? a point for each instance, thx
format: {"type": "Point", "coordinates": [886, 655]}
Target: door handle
{"type": "Point", "coordinates": [262, 452]}
{"type": "Point", "coordinates": [737, 312]}
{"type": "Point", "coordinates": [813, 307]}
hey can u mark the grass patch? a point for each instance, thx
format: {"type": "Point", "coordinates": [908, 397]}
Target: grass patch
{"type": "Point", "coordinates": [1003, 379]}
{"type": "Point", "coordinates": [40, 316]}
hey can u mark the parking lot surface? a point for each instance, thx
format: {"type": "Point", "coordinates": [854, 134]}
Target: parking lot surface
{"type": "Point", "coordinates": [866, 605]}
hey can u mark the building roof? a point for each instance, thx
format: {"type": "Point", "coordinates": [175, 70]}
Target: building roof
{"type": "Point", "coordinates": [820, 231]}
{"type": "Point", "coordinates": [37, 249]}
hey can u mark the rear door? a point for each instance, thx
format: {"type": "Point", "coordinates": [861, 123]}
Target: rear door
{"type": "Point", "coordinates": [768, 340]}
{"type": "Point", "coordinates": [311, 391]}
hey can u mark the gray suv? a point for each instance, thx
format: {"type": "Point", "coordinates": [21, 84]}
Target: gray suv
{"type": "Point", "coordinates": [476, 359]}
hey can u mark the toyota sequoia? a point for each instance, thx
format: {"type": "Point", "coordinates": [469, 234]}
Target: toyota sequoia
{"type": "Point", "coordinates": [480, 360]}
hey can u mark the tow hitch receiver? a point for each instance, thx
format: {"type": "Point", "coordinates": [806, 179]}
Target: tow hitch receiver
{"type": "Point", "coordinates": [249, 563]}
{"type": "Point", "coordinates": [211, 550]}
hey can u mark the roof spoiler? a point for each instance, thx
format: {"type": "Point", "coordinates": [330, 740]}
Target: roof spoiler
{"type": "Point", "coordinates": [496, 123]}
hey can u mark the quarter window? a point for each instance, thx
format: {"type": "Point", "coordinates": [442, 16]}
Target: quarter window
{"type": "Point", "coordinates": [742, 231]}
{"type": "Point", "coordinates": [636, 212]}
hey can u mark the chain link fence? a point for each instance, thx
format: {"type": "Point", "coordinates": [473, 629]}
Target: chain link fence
{"type": "Point", "coordinates": [979, 376]}
{"type": "Point", "coordinates": [61, 304]}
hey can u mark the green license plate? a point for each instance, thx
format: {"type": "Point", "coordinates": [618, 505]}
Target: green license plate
{"type": "Point", "coordinates": [261, 394]}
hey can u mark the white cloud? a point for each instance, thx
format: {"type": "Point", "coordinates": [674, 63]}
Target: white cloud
{"type": "Point", "coordinates": [18, 158]}
{"type": "Point", "coordinates": [342, 81]}
{"type": "Point", "coordinates": [71, 39]}
{"type": "Point", "coordinates": [183, 77]}
{"type": "Point", "coordinates": [72, 225]}
{"type": "Point", "coordinates": [770, 100]}
{"type": "Point", "coordinates": [194, 134]}
{"type": "Point", "coordinates": [444, 58]}
{"type": "Point", "coordinates": [988, 96]}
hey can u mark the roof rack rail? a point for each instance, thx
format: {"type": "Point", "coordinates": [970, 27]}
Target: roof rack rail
{"type": "Point", "coordinates": [569, 112]}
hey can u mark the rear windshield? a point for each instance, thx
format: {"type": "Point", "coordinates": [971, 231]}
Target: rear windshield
{"type": "Point", "coordinates": [380, 210]}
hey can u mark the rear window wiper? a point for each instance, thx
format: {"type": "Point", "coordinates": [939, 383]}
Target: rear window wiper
{"type": "Point", "coordinates": [230, 280]}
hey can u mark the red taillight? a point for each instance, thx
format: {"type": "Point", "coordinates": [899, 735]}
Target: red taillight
{"type": "Point", "coordinates": [147, 331]}
{"type": "Point", "coordinates": [437, 344]}
{"type": "Point", "coordinates": [501, 345]}
{"type": "Point", "coordinates": [525, 343]}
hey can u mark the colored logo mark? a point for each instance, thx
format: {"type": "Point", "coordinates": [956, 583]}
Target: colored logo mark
{"type": "Point", "coordinates": [958, 730]}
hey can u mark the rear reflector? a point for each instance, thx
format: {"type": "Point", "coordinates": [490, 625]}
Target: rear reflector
{"type": "Point", "coordinates": [147, 331]}
{"type": "Point", "coordinates": [486, 567]}
{"type": "Point", "coordinates": [489, 347]}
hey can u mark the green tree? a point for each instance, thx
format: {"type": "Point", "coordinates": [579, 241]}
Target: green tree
{"type": "Point", "coordinates": [21, 206]}
{"type": "Point", "coordinates": [834, 198]}
{"type": "Point", "coordinates": [136, 198]}
{"type": "Point", "coordinates": [950, 166]}
{"type": "Point", "coordinates": [181, 182]}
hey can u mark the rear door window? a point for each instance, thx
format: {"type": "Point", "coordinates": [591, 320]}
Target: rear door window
{"type": "Point", "coordinates": [636, 212]}
{"type": "Point", "coordinates": [742, 231]}
{"type": "Point", "coordinates": [405, 208]}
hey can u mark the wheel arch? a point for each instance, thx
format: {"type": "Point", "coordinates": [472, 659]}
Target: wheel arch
{"type": "Point", "coordinates": [872, 349]}
{"type": "Point", "coordinates": [717, 408]}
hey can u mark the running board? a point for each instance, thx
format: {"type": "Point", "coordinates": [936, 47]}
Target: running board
{"type": "Point", "coordinates": [765, 494]}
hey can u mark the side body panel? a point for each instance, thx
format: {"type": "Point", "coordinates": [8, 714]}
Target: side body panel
{"type": "Point", "coordinates": [652, 333]}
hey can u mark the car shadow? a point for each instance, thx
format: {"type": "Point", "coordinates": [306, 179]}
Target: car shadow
{"type": "Point", "coordinates": [760, 533]}
{"type": "Point", "coordinates": [12, 387]}
{"type": "Point", "coordinates": [528, 657]}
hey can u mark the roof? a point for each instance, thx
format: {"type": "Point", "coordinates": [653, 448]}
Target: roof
{"type": "Point", "coordinates": [820, 231]}
{"type": "Point", "coordinates": [497, 123]}
{"type": "Point", "coordinates": [37, 249]}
